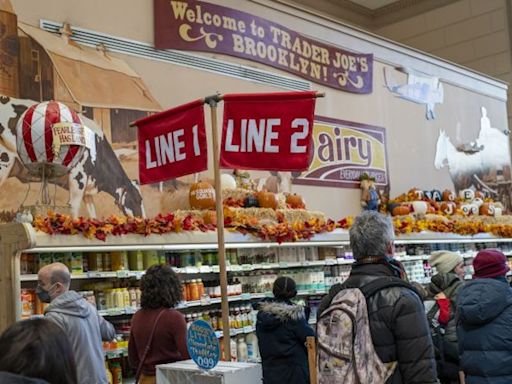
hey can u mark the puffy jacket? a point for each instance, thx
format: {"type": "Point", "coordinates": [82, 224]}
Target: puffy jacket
{"type": "Point", "coordinates": [282, 330]}
{"type": "Point", "coordinates": [449, 284]}
{"type": "Point", "coordinates": [398, 326]}
{"type": "Point", "coordinates": [85, 329]}
{"type": "Point", "coordinates": [485, 337]}
{"type": "Point", "coordinates": [11, 378]}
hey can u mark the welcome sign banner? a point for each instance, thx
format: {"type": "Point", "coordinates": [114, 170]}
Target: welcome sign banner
{"type": "Point", "coordinates": [199, 26]}
{"type": "Point", "coordinates": [343, 151]}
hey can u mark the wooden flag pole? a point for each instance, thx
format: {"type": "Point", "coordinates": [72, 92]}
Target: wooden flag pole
{"type": "Point", "coordinates": [212, 101]}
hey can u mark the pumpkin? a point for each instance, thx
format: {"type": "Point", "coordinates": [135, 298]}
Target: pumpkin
{"type": "Point", "coordinates": [295, 201]}
{"type": "Point", "coordinates": [466, 209]}
{"type": "Point", "coordinates": [437, 195]}
{"type": "Point", "coordinates": [467, 194]}
{"type": "Point", "coordinates": [428, 195]}
{"type": "Point", "coordinates": [227, 181]}
{"type": "Point", "coordinates": [448, 207]}
{"type": "Point", "coordinates": [448, 195]}
{"type": "Point", "coordinates": [267, 200]}
{"type": "Point", "coordinates": [479, 195]}
{"type": "Point", "coordinates": [251, 201]}
{"type": "Point", "coordinates": [431, 209]}
{"type": "Point", "coordinates": [477, 201]}
{"type": "Point", "coordinates": [487, 209]}
{"type": "Point", "coordinates": [420, 207]}
{"type": "Point", "coordinates": [417, 193]}
{"type": "Point", "coordinates": [202, 195]}
{"type": "Point", "coordinates": [401, 210]}
{"type": "Point", "coordinates": [210, 217]}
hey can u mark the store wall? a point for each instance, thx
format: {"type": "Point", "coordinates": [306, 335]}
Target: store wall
{"type": "Point", "coordinates": [411, 138]}
{"type": "Point", "coordinates": [473, 33]}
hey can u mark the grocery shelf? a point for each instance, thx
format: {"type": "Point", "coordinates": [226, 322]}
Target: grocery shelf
{"type": "Point", "coordinates": [237, 331]}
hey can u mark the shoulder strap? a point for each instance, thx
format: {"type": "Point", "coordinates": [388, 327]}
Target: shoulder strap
{"type": "Point", "coordinates": [385, 282]}
{"type": "Point", "coordinates": [148, 346]}
{"type": "Point", "coordinates": [369, 289]}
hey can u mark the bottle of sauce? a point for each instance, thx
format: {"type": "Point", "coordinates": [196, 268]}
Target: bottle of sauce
{"type": "Point", "coordinates": [194, 290]}
{"type": "Point", "coordinates": [200, 287]}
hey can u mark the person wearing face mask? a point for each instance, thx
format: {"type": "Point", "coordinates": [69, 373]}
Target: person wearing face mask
{"type": "Point", "coordinates": [443, 290]}
{"type": "Point", "coordinates": [78, 319]}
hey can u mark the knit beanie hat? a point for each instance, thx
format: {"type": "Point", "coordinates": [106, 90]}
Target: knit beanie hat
{"type": "Point", "coordinates": [490, 263]}
{"type": "Point", "coordinates": [445, 261]}
{"type": "Point", "coordinates": [284, 288]}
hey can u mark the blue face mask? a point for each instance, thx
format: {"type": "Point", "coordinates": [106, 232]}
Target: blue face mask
{"type": "Point", "coordinates": [43, 294]}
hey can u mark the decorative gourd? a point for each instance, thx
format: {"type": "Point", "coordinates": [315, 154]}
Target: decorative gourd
{"type": "Point", "coordinates": [448, 207]}
{"type": "Point", "coordinates": [401, 210]}
{"type": "Point", "coordinates": [295, 201]}
{"type": "Point", "coordinates": [227, 181]}
{"type": "Point", "coordinates": [251, 201]}
{"type": "Point", "coordinates": [267, 200]}
{"type": "Point", "coordinates": [487, 209]}
{"type": "Point", "coordinates": [202, 195]}
{"type": "Point", "coordinates": [417, 193]}
{"type": "Point", "coordinates": [437, 195]}
{"type": "Point", "coordinates": [431, 209]}
{"type": "Point", "coordinates": [467, 194]}
{"type": "Point", "coordinates": [210, 217]}
{"type": "Point", "coordinates": [420, 207]}
{"type": "Point", "coordinates": [448, 195]}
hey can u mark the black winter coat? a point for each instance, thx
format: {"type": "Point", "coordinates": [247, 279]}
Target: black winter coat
{"type": "Point", "coordinates": [11, 378]}
{"type": "Point", "coordinates": [398, 325]}
{"type": "Point", "coordinates": [485, 331]}
{"type": "Point", "coordinates": [282, 330]}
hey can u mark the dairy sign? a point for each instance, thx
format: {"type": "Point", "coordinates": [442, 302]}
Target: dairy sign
{"type": "Point", "coordinates": [343, 151]}
{"type": "Point", "coordinates": [206, 27]}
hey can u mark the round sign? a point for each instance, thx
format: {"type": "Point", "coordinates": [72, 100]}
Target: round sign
{"type": "Point", "coordinates": [202, 344]}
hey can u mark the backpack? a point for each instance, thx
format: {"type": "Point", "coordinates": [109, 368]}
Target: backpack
{"type": "Point", "coordinates": [345, 349]}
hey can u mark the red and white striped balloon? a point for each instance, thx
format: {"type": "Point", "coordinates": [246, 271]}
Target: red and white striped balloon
{"type": "Point", "coordinates": [34, 138]}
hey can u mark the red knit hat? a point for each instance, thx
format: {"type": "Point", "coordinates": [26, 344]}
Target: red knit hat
{"type": "Point", "coordinates": [490, 263]}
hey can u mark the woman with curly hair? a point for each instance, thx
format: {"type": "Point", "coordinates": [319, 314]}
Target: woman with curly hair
{"type": "Point", "coordinates": [158, 332]}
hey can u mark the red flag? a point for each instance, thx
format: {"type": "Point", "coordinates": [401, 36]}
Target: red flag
{"type": "Point", "coordinates": [270, 131]}
{"type": "Point", "coordinates": [172, 143]}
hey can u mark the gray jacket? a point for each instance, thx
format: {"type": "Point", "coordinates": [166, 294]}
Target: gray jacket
{"type": "Point", "coordinates": [85, 329]}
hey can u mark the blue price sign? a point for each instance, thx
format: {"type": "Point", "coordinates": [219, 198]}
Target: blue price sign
{"type": "Point", "coordinates": [202, 344]}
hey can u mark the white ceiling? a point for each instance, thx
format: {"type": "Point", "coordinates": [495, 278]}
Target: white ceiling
{"type": "Point", "coordinates": [373, 4]}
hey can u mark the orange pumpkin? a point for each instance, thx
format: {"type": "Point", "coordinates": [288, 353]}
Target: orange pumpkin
{"type": "Point", "coordinates": [448, 195]}
{"type": "Point", "coordinates": [431, 209]}
{"type": "Point", "coordinates": [210, 217]}
{"type": "Point", "coordinates": [202, 195]}
{"type": "Point", "coordinates": [267, 199]}
{"type": "Point", "coordinates": [295, 201]}
{"type": "Point", "coordinates": [448, 207]}
{"type": "Point", "coordinates": [401, 210]}
{"type": "Point", "coordinates": [487, 209]}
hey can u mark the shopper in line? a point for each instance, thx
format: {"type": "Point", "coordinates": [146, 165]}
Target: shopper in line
{"type": "Point", "coordinates": [443, 291]}
{"type": "Point", "coordinates": [36, 352]}
{"type": "Point", "coordinates": [397, 320]}
{"type": "Point", "coordinates": [282, 329]}
{"type": "Point", "coordinates": [485, 321]}
{"type": "Point", "coordinates": [79, 321]}
{"type": "Point", "coordinates": [158, 333]}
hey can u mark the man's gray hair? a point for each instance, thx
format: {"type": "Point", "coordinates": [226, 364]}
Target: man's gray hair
{"type": "Point", "coordinates": [371, 234]}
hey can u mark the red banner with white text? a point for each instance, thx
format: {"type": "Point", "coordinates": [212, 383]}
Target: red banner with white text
{"type": "Point", "coordinates": [267, 131]}
{"type": "Point", "coordinates": [172, 143]}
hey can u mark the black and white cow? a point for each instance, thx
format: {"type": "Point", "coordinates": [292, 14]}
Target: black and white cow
{"type": "Point", "coordinates": [88, 177]}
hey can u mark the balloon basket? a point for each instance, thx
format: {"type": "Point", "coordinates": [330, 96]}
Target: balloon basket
{"type": "Point", "coordinates": [42, 209]}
